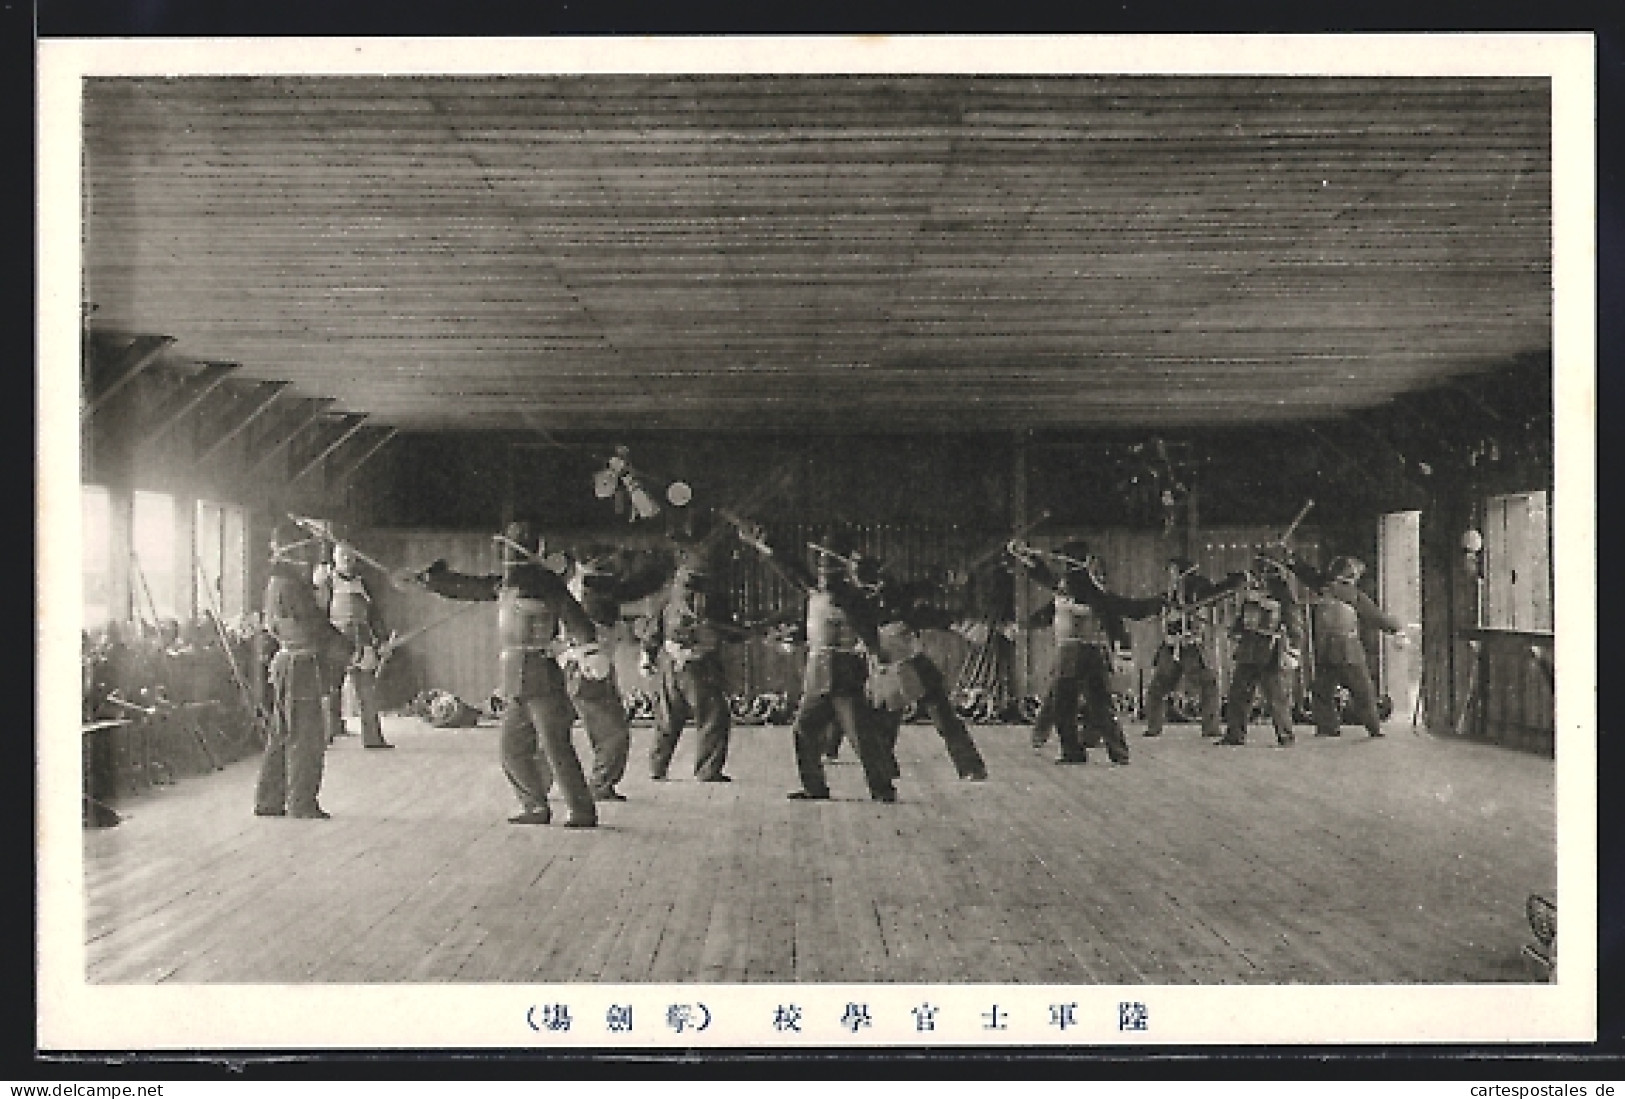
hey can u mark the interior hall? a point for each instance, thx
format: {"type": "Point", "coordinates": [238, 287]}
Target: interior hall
{"type": "Point", "coordinates": [1038, 350]}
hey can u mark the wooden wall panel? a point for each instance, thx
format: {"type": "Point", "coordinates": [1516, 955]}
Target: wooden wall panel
{"type": "Point", "coordinates": [459, 655]}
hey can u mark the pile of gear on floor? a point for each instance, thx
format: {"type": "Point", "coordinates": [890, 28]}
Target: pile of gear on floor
{"type": "Point", "coordinates": [444, 710]}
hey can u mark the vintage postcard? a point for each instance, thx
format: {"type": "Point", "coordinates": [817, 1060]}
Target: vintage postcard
{"type": "Point", "coordinates": [1224, 405]}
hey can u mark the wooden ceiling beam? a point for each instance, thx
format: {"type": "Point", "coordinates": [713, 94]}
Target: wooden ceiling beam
{"type": "Point", "coordinates": [142, 352]}
{"type": "Point", "coordinates": [347, 427]}
{"type": "Point", "coordinates": [265, 396]}
{"type": "Point", "coordinates": [314, 407]}
{"type": "Point", "coordinates": [366, 455]}
{"type": "Point", "coordinates": [191, 394]}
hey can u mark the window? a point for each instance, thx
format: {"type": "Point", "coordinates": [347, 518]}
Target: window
{"type": "Point", "coordinates": [96, 550]}
{"type": "Point", "coordinates": [152, 538]}
{"type": "Point", "coordinates": [1517, 563]}
{"type": "Point", "coordinates": [221, 572]}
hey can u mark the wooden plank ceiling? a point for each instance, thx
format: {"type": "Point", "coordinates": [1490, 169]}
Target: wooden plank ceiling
{"type": "Point", "coordinates": [782, 252]}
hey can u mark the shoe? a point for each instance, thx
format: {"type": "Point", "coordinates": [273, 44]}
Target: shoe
{"type": "Point", "coordinates": [1374, 732]}
{"type": "Point", "coordinates": [1284, 739]}
{"type": "Point", "coordinates": [975, 776]}
{"type": "Point", "coordinates": [1072, 759]}
{"type": "Point", "coordinates": [1228, 742]}
{"type": "Point", "coordinates": [657, 778]}
{"type": "Point", "coordinates": [581, 822]}
{"type": "Point", "coordinates": [713, 778]}
{"type": "Point", "coordinates": [380, 744]}
{"type": "Point", "coordinates": [807, 795]}
{"type": "Point", "coordinates": [532, 816]}
{"type": "Point", "coordinates": [1120, 762]}
{"type": "Point", "coordinates": [607, 793]}
{"type": "Point", "coordinates": [884, 795]}
{"type": "Point", "coordinates": [1152, 732]}
{"type": "Point", "coordinates": [1206, 733]}
{"type": "Point", "coordinates": [258, 812]}
{"type": "Point", "coordinates": [1334, 732]}
{"type": "Point", "coordinates": [311, 814]}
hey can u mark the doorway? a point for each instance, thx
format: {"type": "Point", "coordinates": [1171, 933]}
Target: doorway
{"type": "Point", "coordinates": [1399, 591]}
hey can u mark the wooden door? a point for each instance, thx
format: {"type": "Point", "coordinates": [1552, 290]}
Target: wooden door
{"type": "Point", "coordinates": [1399, 590]}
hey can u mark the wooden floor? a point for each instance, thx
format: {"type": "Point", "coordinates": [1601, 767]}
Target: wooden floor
{"type": "Point", "coordinates": [1405, 859]}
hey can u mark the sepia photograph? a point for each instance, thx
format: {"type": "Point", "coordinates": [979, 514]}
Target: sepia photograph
{"type": "Point", "coordinates": [767, 542]}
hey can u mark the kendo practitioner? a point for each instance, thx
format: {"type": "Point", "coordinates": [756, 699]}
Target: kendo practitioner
{"type": "Point", "coordinates": [1187, 644]}
{"type": "Point", "coordinates": [589, 667]}
{"type": "Point", "coordinates": [1337, 610]}
{"type": "Point", "coordinates": [1269, 648]}
{"type": "Point", "coordinates": [833, 682]}
{"type": "Point", "coordinates": [1088, 622]}
{"type": "Point", "coordinates": [682, 645]}
{"type": "Point", "coordinates": [900, 672]}
{"type": "Point", "coordinates": [534, 609]}
{"type": "Point", "coordinates": [351, 608]}
{"type": "Point", "coordinates": [310, 658]}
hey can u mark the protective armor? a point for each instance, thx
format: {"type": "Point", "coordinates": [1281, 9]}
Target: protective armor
{"type": "Point", "coordinates": [1078, 623]}
{"type": "Point", "coordinates": [690, 635]}
{"type": "Point", "coordinates": [828, 626]}
{"type": "Point", "coordinates": [894, 686]}
{"type": "Point", "coordinates": [1182, 627]}
{"type": "Point", "coordinates": [1335, 619]}
{"type": "Point", "coordinates": [292, 614]}
{"type": "Point", "coordinates": [899, 641]}
{"type": "Point", "coordinates": [1261, 614]}
{"type": "Point", "coordinates": [526, 629]}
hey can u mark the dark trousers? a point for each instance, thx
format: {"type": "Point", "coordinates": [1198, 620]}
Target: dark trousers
{"type": "Point", "coordinates": [598, 704]}
{"type": "Point", "coordinates": [940, 709]}
{"type": "Point", "coordinates": [1175, 663]}
{"type": "Point", "coordinates": [857, 719]}
{"type": "Point", "coordinates": [693, 690]}
{"type": "Point", "coordinates": [533, 767]}
{"type": "Point", "coordinates": [1091, 684]}
{"type": "Point", "coordinates": [955, 737]}
{"type": "Point", "coordinates": [1243, 683]}
{"type": "Point", "coordinates": [1362, 697]}
{"type": "Point", "coordinates": [364, 683]}
{"type": "Point", "coordinates": [296, 749]}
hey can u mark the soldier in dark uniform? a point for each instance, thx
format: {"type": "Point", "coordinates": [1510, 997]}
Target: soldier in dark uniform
{"type": "Point", "coordinates": [533, 607]}
{"type": "Point", "coordinates": [833, 681]}
{"type": "Point", "coordinates": [350, 607]}
{"type": "Point", "coordinates": [682, 644]}
{"type": "Point", "coordinates": [1338, 610]}
{"type": "Point", "coordinates": [1188, 643]}
{"type": "Point", "coordinates": [310, 657]}
{"type": "Point", "coordinates": [1269, 646]}
{"type": "Point", "coordinates": [900, 672]}
{"type": "Point", "coordinates": [589, 668]}
{"type": "Point", "coordinates": [1088, 622]}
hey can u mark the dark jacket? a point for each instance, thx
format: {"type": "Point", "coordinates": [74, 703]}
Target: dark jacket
{"type": "Point", "coordinates": [1339, 609]}
{"type": "Point", "coordinates": [1081, 587]}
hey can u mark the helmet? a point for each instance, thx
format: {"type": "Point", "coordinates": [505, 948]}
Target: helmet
{"type": "Point", "coordinates": [865, 570]}
{"type": "Point", "coordinates": [837, 541]}
{"type": "Point", "coordinates": [344, 556]}
{"type": "Point", "coordinates": [1347, 568]}
{"type": "Point", "coordinates": [286, 539]}
{"type": "Point", "coordinates": [693, 567]}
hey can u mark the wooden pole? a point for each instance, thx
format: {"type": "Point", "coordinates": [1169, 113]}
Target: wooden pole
{"type": "Point", "coordinates": [1023, 589]}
